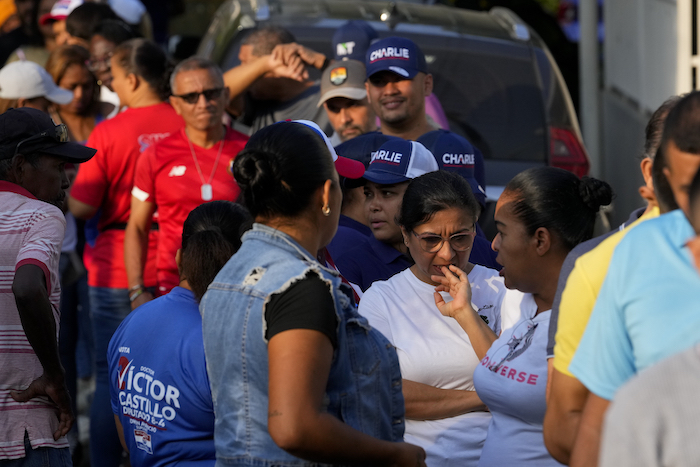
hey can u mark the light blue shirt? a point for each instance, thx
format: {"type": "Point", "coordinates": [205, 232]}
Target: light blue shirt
{"type": "Point", "coordinates": [647, 309]}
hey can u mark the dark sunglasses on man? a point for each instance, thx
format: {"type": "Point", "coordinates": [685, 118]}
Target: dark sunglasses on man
{"type": "Point", "coordinates": [193, 97]}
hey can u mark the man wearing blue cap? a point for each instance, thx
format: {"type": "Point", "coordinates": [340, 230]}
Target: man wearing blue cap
{"type": "Point", "coordinates": [397, 84]}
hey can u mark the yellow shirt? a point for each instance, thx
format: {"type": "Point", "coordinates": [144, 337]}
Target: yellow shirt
{"type": "Point", "coordinates": [580, 293]}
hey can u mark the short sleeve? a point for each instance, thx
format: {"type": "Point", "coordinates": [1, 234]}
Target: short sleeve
{"type": "Point", "coordinates": [113, 371]}
{"type": "Point", "coordinates": [604, 359]}
{"type": "Point", "coordinates": [577, 301]}
{"type": "Point", "coordinates": [144, 177]}
{"type": "Point", "coordinates": [306, 304]}
{"type": "Point", "coordinates": [373, 306]}
{"type": "Point", "coordinates": [92, 181]}
{"type": "Point", "coordinates": [42, 244]}
{"type": "Point", "coordinates": [566, 269]}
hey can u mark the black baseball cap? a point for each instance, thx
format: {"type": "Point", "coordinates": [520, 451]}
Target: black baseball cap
{"type": "Point", "coordinates": [28, 131]}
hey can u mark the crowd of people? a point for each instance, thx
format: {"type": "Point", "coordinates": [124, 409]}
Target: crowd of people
{"type": "Point", "coordinates": [263, 269]}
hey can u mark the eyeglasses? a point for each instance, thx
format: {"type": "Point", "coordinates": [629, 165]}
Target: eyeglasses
{"type": "Point", "coordinates": [59, 134]}
{"type": "Point", "coordinates": [193, 97]}
{"type": "Point", "coordinates": [97, 64]}
{"type": "Point", "coordinates": [433, 243]}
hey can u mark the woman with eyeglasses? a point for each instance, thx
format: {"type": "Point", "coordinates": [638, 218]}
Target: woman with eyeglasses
{"type": "Point", "coordinates": [542, 214]}
{"type": "Point", "coordinates": [444, 415]}
{"type": "Point", "coordinates": [141, 71]}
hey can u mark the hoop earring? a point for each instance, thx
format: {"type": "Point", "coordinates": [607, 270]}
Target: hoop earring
{"type": "Point", "coordinates": [326, 210]}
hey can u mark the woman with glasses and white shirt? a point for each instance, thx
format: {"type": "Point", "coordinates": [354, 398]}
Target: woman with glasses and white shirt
{"type": "Point", "coordinates": [444, 415]}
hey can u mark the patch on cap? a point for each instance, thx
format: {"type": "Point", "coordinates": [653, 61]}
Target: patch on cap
{"type": "Point", "coordinates": [339, 75]}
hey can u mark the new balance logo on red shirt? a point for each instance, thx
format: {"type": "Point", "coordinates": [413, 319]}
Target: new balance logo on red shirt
{"type": "Point", "coordinates": [177, 171]}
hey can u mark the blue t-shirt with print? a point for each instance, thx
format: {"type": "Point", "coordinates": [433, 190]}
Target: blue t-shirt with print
{"type": "Point", "coordinates": [159, 385]}
{"type": "Point", "coordinates": [648, 307]}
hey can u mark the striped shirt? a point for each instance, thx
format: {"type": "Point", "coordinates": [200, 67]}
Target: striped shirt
{"type": "Point", "coordinates": [31, 232]}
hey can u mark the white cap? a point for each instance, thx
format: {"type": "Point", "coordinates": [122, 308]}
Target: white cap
{"type": "Point", "coordinates": [130, 11]}
{"type": "Point", "coordinates": [26, 80]}
{"type": "Point", "coordinates": [60, 11]}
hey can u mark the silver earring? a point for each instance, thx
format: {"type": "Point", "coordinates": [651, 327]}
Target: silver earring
{"type": "Point", "coordinates": [326, 210]}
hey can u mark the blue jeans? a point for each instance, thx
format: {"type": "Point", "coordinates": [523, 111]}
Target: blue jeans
{"type": "Point", "coordinates": [40, 457]}
{"type": "Point", "coordinates": [108, 308]}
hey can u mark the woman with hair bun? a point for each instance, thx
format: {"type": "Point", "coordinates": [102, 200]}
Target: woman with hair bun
{"type": "Point", "coordinates": [540, 216]}
{"type": "Point", "coordinates": [165, 336]}
{"type": "Point", "coordinates": [444, 414]}
{"type": "Point", "coordinates": [298, 377]}
{"type": "Point", "coordinates": [141, 73]}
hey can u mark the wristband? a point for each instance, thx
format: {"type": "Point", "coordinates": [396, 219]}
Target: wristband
{"type": "Point", "coordinates": [136, 287]}
{"type": "Point", "coordinates": [136, 294]}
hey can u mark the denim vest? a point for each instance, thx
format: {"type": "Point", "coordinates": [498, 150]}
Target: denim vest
{"type": "Point", "coordinates": [364, 384]}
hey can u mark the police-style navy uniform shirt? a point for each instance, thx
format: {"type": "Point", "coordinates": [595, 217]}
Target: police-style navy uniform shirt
{"type": "Point", "coordinates": [159, 384]}
{"type": "Point", "coordinates": [349, 234]}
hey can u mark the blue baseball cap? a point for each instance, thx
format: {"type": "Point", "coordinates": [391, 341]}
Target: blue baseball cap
{"type": "Point", "coordinates": [399, 161]}
{"type": "Point", "coordinates": [454, 153]}
{"type": "Point", "coordinates": [361, 148]}
{"type": "Point", "coordinates": [396, 54]}
{"type": "Point", "coordinates": [352, 39]}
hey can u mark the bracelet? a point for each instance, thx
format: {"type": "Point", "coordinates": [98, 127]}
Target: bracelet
{"type": "Point", "coordinates": [136, 287]}
{"type": "Point", "coordinates": [136, 294]}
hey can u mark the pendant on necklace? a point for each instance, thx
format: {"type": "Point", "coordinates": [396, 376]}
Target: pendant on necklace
{"type": "Point", "coordinates": [207, 193]}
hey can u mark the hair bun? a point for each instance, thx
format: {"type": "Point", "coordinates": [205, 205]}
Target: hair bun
{"type": "Point", "coordinates": [595, 193]}
{"type": "Point", "coordinates": [256, 171]}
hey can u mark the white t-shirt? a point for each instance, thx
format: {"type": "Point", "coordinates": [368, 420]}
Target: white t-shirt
{"type": "Point", "coordinates": [512, 380]}
{"type": "Point", "coordinates": [433, 349]}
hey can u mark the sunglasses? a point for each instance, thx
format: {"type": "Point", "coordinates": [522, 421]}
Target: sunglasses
{"type": "Point", "coordinates": [193, 97]}
{"type": "Point", "coordinates": [458, 242]}
{"type": "Point", "coordinates": [59, 134]}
